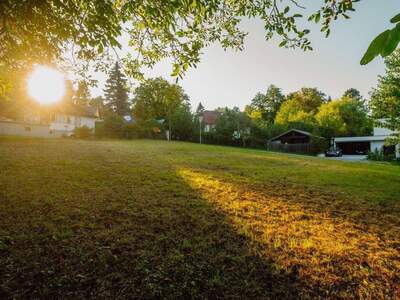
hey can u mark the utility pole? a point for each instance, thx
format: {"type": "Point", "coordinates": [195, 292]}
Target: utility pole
{"type": "Point", "coordinates": [201, 120]}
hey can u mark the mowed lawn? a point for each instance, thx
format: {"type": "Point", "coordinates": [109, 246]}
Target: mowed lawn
{"type": "Point", "coordinates": [157, 219]}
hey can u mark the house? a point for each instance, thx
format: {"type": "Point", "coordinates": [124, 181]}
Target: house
{"type": "Point", "coordinates": [64, 119]}
{"type": "Point", "coordinates": [56, 121]}
{"type": "Point", "coordinates": [294, 140]}
{"type": "Point", "coordinates": [210, 118]}
{"type": "Point", "coordinates": [361, 145]}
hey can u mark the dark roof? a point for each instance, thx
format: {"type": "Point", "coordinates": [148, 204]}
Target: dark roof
{"type": "Point", "coordinates": [210, 117]}
{"type": "Point", "coordinates": [295, 130]}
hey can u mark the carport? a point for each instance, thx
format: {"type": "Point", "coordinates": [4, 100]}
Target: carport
{"type": "Point", "coordinates": [354, 148]}
{"type": "Point", "coordinates": [358, 145]}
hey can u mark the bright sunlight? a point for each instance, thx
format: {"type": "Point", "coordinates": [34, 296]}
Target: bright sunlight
{"type": "Point", "coordinates": [46, 85]}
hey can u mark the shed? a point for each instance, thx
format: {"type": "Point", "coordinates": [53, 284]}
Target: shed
{"type": "Point", "coordinates": [292, 136]}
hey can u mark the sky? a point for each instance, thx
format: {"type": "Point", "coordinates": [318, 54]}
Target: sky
{"type": "Point", "coordinates": [231, 78]}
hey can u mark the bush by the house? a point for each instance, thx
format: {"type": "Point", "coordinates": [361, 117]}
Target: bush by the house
{"type": "Point", "coordinates": [83, 132]}
{"type": "Point", "coordinates": [379, 155]}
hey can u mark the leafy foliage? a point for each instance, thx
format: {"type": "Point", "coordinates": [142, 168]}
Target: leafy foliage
{"type": "Point", "coordinates": [233, 127]}
{"type": "Point", "coordinates": [83, 132]}
{"type": "Point", "coordinates": [385, 43]}
{"type": "Point", "coordinates": [44, 31]}
{"type": "Point", "coordinates": [353, 94]}
{"type": "Point", "coordinates": [157, 99]}
{"type": "Point", "coordinates": [343, 117]}
{"type": "Point", "coordinates": [292, 114]}
{"type": "Point", "coordinates": [267, 104]}
{"type": "Point", "coordinates": [385, 98]}
{"type": "Point", "coordinates": [182, 124]}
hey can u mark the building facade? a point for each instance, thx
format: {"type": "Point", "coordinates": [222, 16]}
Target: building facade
{"type": "Point", "coordinates": [361, 145]}
{"type": "Point", "coordinates": [56, 122]}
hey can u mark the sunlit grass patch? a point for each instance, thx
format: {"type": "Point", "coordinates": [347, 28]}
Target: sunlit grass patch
{"type": "Point", "coordinates": [330, 254]}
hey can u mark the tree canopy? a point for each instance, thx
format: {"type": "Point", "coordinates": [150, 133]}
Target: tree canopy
{"type": "Point", "coordinates": [43, 31]}
{"type": "Point", "coordinates": [353, 93]}
{"type": "Point", "coordinates": [267, 104]}
{"type": "Point", "coordinates": [385, 98]}
{"type": "Point", "coordinates": [232, 125]}
{"type": "Point", "coordinates": [158, 99]}
{"type": "Point", "coordinates": [344, 117]}
{"type": "Point", "coordinates": [116, 92]}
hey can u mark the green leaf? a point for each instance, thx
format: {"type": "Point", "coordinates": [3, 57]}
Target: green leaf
{"type": "Point", "coordinates": [283, 43]}
{"type": "Point", "coordinates": [375, 47]}
{"type": "Point", "coordinates": [392, 41]}
{"type": "Point", "coordinates": [317, 17]}
{"type": "Point", "coordinates": [395, 19]}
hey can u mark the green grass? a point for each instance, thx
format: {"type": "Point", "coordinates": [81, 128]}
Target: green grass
{"type": "Point", "coordinates": [153, 219]}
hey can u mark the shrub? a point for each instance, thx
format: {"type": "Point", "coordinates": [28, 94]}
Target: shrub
{"type": "Point", "coordinates": [83, 132]}
{"type": "Point", "coordinates": [379, 155]}
{"type": "Point", "coordinates": [112, 127]}
{"type": "Point", "coordinates": [376, 155]}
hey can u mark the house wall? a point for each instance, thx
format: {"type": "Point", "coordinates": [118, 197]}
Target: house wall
{"type": "Point", "coordinates": [208, 128]}
{"type": "Point", "coordinates": [379, 131]}
{"type": "Point", "coordinates": [26, 129]}
{"type": "Point", "coordinates": [377, 145]}
{"type": "Point", "coordinates": [67, 123]}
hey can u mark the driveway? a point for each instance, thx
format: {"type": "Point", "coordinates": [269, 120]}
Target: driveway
{"type": "Point", "coordinates": [350, 158]}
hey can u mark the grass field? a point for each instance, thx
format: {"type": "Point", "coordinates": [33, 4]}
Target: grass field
{"type": "Point", "coordinates": [152, 219]}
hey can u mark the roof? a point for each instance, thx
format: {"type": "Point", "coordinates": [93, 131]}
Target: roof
{"type": "Point", "coordinates": [360, 138]}
{"type": "Point", "coordinates": [295, 130]}
{"type": "Point", "coordinates": [210, 117]}
{"type": "Point", "coordinates": [78, 110]}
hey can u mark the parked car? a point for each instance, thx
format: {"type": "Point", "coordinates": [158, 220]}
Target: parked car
{"type": "Point", "coordinates": [334, 153]}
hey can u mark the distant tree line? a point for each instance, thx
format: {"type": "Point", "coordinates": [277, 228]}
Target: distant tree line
{"type": "Point", "coordinates": [158, 106]}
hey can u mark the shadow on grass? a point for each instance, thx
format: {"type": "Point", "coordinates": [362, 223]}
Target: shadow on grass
{"type": "Point", "coordinates": [106, 220]}
{"type": "Point", "coordinates": [140, 236]}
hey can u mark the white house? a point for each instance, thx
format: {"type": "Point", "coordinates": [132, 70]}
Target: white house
{"type": "Point", "coordinates": [64, 121]}
{"type": "Point", "coordinates": [363, 144]}
{"type": "Point", "coordinates": [55, 122]}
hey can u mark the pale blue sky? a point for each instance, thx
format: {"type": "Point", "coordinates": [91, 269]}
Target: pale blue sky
{"type": "Point", "coordinates": [229, 78]}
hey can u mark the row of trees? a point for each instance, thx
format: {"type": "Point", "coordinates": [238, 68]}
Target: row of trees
{"type": "Point", "coordinates": [159, 104]}
{"type": "Point", "coordinates": [308, 109]}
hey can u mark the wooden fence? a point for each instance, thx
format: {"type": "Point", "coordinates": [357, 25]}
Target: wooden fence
{"type": "Point", "coordinates": [293, 148]}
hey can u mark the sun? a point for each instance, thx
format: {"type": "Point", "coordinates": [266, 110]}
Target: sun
{"type": "Point", "coordinates": [46, 85]}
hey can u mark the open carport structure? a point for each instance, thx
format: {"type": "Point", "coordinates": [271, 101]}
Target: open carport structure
{"type": "Point", "coordinates": [360, 145]}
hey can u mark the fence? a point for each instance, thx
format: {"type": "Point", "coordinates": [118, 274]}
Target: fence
{"type": "Point", "coordinates": [293, 148]}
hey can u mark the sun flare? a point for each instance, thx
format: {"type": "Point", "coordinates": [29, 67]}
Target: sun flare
{"type": "Point", "coordinates": [46, 85]}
